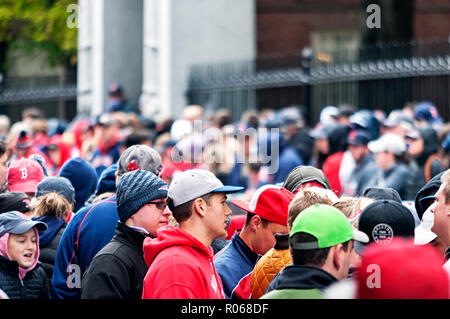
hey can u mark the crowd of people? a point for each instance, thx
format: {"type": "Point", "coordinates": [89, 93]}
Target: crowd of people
{"type": "Point", "coordinates": [121, 206]}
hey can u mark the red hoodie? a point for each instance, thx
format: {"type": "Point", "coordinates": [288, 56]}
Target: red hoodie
{"type": "Point", "coordinates": [180, 267]}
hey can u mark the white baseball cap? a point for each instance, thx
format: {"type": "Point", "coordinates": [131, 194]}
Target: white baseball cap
{"type": "Point", "coordinates": [389, 142]}
{"type": "Point", "coordinates": [423, 234]}
{"type": "Point", "coordinates": [194, 183]}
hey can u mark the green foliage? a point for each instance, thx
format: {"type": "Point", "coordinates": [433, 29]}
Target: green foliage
{"type": "Point", "coordinates": [39, 24]}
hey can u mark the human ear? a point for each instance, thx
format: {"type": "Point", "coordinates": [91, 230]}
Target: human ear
{"type": "Point", "coordinates": [338, 255]}
{"type": "Point", "coordinates": [255, 222]}
{"type": "Point", "coordinates": [199, 206]}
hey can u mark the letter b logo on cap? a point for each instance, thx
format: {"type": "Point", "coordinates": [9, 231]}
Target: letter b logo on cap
{"type": "Point", "coordinates": [24, 172]}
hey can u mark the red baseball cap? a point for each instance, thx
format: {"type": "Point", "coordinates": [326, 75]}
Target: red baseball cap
{"type": "Point", "coordinates": [237, 222]}
{"type": "Point", "coordinates": [270, 202]}
{"type": "Point", "coordinates": [24, 175]}
{"type": "Point", "coordinates": [402, 270]}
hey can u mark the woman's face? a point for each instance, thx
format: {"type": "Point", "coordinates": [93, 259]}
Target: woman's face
{"type": "Point", "coordinates": [55, 156]}
{"type": "Point", "coordinates": [22, 248]}
{"type": "Point", "coordinates": [322, 145]}
{"type": "Point", "coordinates": [416, 146]}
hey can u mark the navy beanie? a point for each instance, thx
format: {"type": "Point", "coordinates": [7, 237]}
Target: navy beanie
{"type": "Point", "coordinates": [107, 180]}
{"type": "Point", "coordinates": [137, 188]}
{"type": "Point", "coordinates": [83, 178]}
{"type": "Point", "coordinates": [57, 184]}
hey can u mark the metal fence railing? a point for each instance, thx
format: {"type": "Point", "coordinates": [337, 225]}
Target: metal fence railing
{"type": "Point", "coordinates": [55, 95]}
{"type": "Point", "coordinates": [379, 77]}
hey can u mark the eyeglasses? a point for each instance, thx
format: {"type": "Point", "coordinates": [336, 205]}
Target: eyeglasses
{"type": "Point", "coordinates": [159, 205]}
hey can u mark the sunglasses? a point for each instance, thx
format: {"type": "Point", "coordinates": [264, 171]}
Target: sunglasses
{"type": "Point", "coordinates": [159, 205]}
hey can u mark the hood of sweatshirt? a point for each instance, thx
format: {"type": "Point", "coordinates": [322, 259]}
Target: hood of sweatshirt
{"type": "Point", "coordinates": [168, 236]}
{"type": "Point", "coordinates": [301, 277]}
{"type": "Point", "coordinates": [53, 226]}
{"type": "Point", "coordinates": [63, 148]}
{"type": "Point", "coordinates": [4, 252]}
{"type": "Point", "coordinates": [107, 181]}
{"type": "Point", "coordinates": [83, 178]}
{"type": "Point", "coordinates": [78, 128]}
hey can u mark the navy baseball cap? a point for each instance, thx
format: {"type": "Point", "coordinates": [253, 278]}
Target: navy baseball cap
{"type": "Point", "coordinates": [358, 137]}
{"type": "Point", "coordinates": [16, 223]}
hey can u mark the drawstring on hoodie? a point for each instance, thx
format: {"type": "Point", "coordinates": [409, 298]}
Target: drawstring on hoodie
{"type": "Point", "coordinates": [218, 280]}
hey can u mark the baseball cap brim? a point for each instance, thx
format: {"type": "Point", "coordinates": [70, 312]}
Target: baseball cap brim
{"type": "Point", "coordinates": [359, 247]}
{"type": "Point", "coordinates": [228, 189]}
{"type": "Point", "coordinates": [376, 146]}
{"type": "Point", "coordinates": [423, 236]}
{"type": "Point", "coordinates": [26, 225]}
{"type": "Point", "coordinates": [242, 205]}
{"type": "Point", "coordinates": [360, 237]}
{"type": "Point", "coordinates": [25, 187]}
{"type": "Point", "coordinates": [361, 241]}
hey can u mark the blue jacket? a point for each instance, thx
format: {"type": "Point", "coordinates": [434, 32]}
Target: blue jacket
{"type": "Point", "coordinates": [86, 234]}
{"type": "Point", "coordinates": [103, 158]}
{"type": "Point", "coordinates": [395, 177]}
{"type": "Point", "coordinates": [289, 159]}
{"type": "Point", "coordinates": [235, 264]}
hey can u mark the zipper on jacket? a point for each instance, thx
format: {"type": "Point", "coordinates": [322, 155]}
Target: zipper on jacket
{"type": "Point", "coordinates": [21, 281]}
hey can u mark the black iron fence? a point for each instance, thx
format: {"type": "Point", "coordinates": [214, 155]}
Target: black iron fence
{"type": "Point", "coordinates": [380, 77]}
{"type": "Point", "coordinates": [55, 95]}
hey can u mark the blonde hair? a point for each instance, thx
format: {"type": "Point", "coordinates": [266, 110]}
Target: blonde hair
{"type": "Point", "coordinates": [346, 205]}
{"type": "Point", "coordinates": [51, 204]}
{"type": "Point", "coordinates": [353, 207]}
{"type": "Point", "coordinates": [307, 197]}
{"type": "Point", "coordinates": [445, 179]}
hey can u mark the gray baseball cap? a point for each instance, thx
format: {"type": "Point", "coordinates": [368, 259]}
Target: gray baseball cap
{"type": "Point", "coordinates": [144, 157]}
{"type": "Point", "coordinates": [194, 183]}
{"type": "Point", "coordinates": [15, 223]}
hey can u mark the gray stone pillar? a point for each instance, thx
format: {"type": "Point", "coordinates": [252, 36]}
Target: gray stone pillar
{"type": "Point", "coordinates": [110, 50]}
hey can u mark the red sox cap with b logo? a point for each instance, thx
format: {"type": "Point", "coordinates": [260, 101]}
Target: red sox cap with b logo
{"type": "Point", "coordinates": [24, 175]}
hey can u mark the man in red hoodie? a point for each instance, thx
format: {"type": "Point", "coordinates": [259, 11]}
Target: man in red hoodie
{"type": "Point", "coordinates": [180, 259]}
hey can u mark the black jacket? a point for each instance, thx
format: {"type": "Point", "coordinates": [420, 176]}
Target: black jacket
{"type": "Point", "coordinates": [47, 254]}
{"type": "Point", "coordinates": [33, 286]}
{"type": "Point", "coordinates": [118, 270]}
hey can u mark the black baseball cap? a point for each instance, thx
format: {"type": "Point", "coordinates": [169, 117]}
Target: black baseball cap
{"type": "Point", "coordinates": [16, 223]}
{"type": "Point", "coordinates": [381, 193]}
{"type": "Point", "coordinates": [14, 201]}
{"type": "Point", "coordinates": [305, 174]}
{"type": "Point", "coordinates": [382, 220]}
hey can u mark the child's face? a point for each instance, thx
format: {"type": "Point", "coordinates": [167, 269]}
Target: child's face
{"type": "Point", "coordinates": [22, 248]}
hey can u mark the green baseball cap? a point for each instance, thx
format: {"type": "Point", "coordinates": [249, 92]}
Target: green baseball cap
{"type": "Point", "coordinates": [327, 224]}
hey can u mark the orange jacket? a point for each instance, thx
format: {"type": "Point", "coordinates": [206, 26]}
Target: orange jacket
{"type": "Point", "coordinates": [266, 269]}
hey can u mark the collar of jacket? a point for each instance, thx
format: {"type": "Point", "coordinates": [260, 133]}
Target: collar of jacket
{"type": "Point", "coordinates": [9, 266]}
{"type": "Point", "coordinates": [393, 169]}
{"type": "Point", "coordinates": [303, 277]}
{"type": "Point", "coordinates": [281, 241]}
{"type": "Point", "coordinates": [128, 235]}
{"type": "Point", "coordinates": [367, 160]}
{"type": "Point", "coordinates": [243, 249]}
